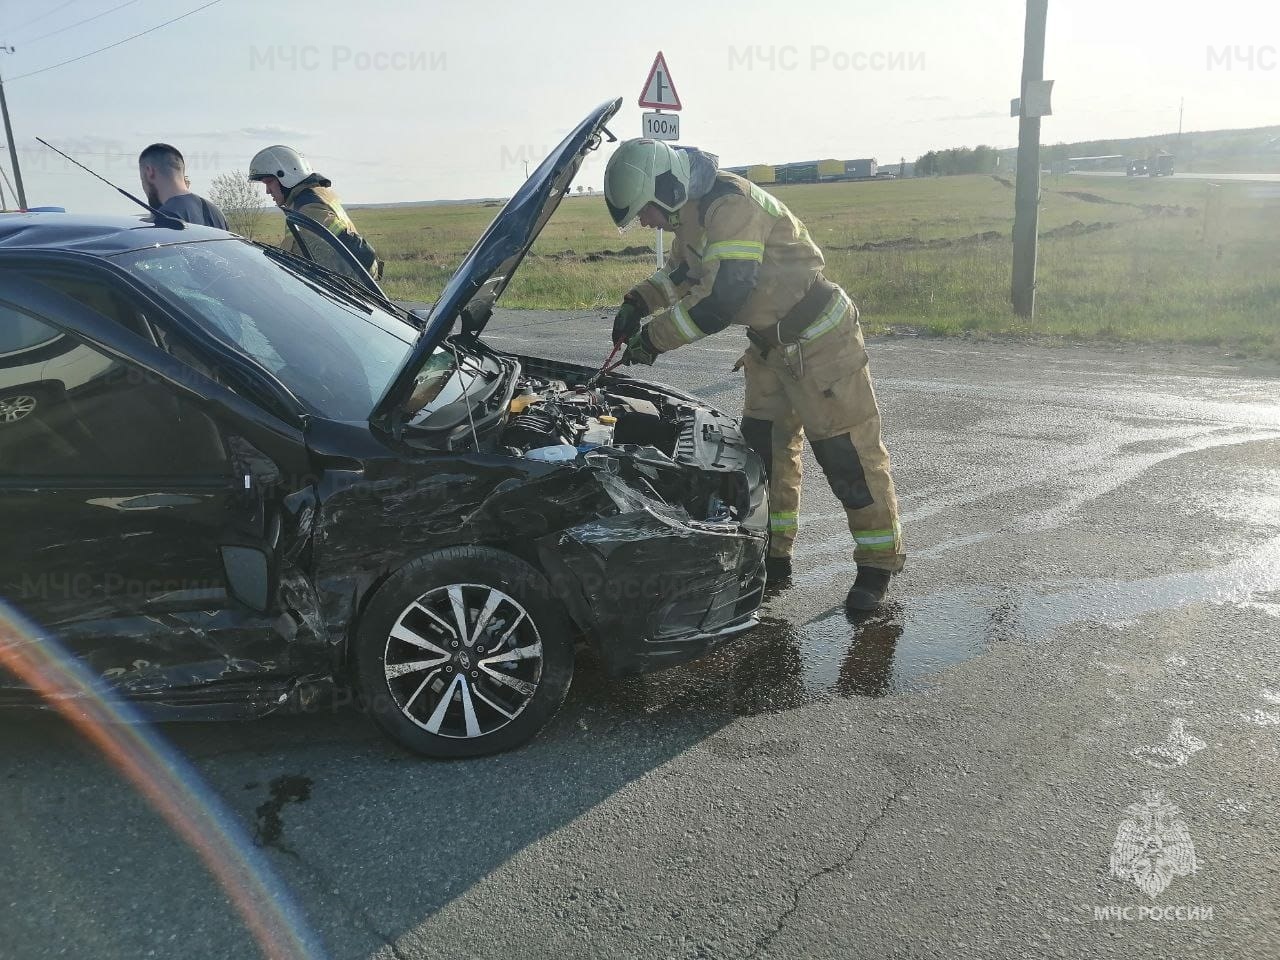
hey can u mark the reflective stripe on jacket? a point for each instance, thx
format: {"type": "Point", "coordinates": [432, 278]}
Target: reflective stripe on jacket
{"type": "Point", "coordinates": [738, 256]}
{"type": "Point", "coordinates": [320, 204]}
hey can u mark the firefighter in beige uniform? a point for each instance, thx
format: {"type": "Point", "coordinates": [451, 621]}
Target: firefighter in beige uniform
{"type": "Point", "coordinates": [739, 256]}
{"type": "Point", "coordinates": [290, 181]}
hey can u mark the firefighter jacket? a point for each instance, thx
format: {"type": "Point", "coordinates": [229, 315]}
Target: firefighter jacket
{"type": "Point", "coordinates": [739, 256]}
{"type": "Point", "coordinates": [314, 198]}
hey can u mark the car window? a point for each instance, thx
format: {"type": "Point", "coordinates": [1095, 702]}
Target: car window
{"type": "Point", "coordinates": [20, 333]}
{"type": "Point", "coordinates": [69, 410]}
{"type": "Point", "coordinates": [336, 355]}
{"type": "Point", "coordinates": [98, 296]}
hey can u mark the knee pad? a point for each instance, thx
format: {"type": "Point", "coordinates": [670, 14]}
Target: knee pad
{"type": "Point", "coordinates": [840, 462]}
{"type": "Point", "coordinates": [759, 436]}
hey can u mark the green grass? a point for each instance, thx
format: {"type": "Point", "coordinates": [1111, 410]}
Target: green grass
{"type": "Point", "coordinates": [1161, 261]}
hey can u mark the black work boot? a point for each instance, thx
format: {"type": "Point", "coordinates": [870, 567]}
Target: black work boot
{"type": "Point", "coordinates": [868, 589]}
{"type": "Point", "coordinates": [777, 569]}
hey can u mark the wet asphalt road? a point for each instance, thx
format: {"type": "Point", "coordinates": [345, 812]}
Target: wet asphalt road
{"type": "Point", "coordinates": [1089, 612]}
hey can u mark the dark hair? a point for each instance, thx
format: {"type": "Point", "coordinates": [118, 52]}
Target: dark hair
{"type": "Point", "coordinates": [162, 155]}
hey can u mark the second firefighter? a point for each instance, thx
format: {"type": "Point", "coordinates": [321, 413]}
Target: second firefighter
{"type": "Point", "coordinates": [739, 256]}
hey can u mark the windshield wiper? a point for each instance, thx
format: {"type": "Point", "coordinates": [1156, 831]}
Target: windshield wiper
{"type": "Point", "coordinates": [340, 284]}
{"type": "Point", "coordinates": [362, 291]}
{"type": "Point", "coordinates": [307, 272]}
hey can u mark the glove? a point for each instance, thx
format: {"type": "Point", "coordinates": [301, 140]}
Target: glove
{"type": "Point", "coordinates": [640, 349]}
{"type": "Point", "coordinates": [627, 323]}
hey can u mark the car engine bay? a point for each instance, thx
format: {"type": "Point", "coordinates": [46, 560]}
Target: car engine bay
{"type": "Point", "coordinates": [655, 439]}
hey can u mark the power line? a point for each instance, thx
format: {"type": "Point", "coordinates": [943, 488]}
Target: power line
{"type": "Point", "coordinates": [110, 46]}
{"type": "Point", "coordinates": [127, 3]}
{"type": "Point", "coordinates": [47, 13]}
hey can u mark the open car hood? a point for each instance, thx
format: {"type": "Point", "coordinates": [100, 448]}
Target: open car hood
{"type": "Point", "coordinates": [488, 267]}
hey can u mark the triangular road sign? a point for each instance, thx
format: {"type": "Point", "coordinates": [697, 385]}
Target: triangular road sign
{"type": "Point", "coordinates": [659, 92]}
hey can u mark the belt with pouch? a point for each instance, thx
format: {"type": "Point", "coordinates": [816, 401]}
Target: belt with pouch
{"type": "Point", "coordinates": [796, 322]}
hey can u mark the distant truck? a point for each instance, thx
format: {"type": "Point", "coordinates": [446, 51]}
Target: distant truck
{"type": "Point", "coordinates": [861, 169]}
{"type": "Point", "coordinates": [1162, 165]}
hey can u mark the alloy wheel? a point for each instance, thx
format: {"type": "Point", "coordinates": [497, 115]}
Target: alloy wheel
{"type": "Point", "coordinates": [463, 660]}
{"type": "Point", "coordinates": [15, 408]}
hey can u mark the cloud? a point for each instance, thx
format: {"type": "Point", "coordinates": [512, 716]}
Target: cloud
{"type": "Point", "coordinates": [286, 133]}
{"type": "Point", "coordinates": [984, 115]}
{"type": "Point", "coordinates": [268, 132]}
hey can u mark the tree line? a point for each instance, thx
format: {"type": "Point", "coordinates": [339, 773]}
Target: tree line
{"type": "Point", "coordinates": [958, 160]}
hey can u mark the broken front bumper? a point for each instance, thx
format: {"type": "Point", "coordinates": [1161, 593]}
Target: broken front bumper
{"type": "Point", "coordinates": [651, 590]}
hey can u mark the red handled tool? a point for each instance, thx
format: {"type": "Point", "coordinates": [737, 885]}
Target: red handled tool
{"type": "Point", "coordinates": [609, 365]}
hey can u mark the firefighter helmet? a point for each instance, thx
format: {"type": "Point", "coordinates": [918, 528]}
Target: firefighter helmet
{"type": "Point", "coordinates": [641, 172]}
{"type": "Point", "coordinates": [284, 163]}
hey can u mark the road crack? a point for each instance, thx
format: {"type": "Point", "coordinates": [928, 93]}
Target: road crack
{"type": "Point", "coordinates": [327, 885]}
{"type": "Point", "coordinates": [798, 891]}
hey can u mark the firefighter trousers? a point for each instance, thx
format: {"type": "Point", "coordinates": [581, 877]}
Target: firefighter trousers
{"type": "Point", "coordinates": [822, 389]}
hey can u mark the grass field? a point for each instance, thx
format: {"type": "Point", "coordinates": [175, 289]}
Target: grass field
{"type": "Point", "coordinates": [1173, 261]}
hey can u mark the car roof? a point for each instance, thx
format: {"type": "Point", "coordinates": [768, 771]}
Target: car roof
{"type": "Point", "coordinates": [103, 236]}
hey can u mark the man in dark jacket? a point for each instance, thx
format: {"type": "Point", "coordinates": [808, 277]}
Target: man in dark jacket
{"type": "Point", "coordinates": [164, 181]}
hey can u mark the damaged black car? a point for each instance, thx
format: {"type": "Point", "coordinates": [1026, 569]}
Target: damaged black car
{"type": "Point", "coordinates": [232, 479]}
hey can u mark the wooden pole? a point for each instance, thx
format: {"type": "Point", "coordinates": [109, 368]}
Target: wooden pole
{"type": "Point", "coordinates": [1026, 203]}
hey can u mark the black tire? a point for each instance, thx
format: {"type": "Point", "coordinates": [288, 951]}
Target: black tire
{"type": "Point", "coordinates": [471, 701]}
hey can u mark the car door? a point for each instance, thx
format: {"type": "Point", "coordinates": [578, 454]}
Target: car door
{"type": "Point", "coordinates": [145, 507]}
{"type": "Point", "coordinates": [318, 245]}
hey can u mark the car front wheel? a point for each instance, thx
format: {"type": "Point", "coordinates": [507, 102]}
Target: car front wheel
{"type": "Point", "coordinates": [17, 406]}
{"type": "Point", "coordinates": [463, 653]}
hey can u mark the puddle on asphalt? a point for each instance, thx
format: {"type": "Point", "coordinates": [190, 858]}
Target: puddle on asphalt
{"type": "Point", "coordinates": [784, 665]}
{"type": "Point", "coordinates": [269, 825]}
{"type": "Point", "coordinates": [781, 665]}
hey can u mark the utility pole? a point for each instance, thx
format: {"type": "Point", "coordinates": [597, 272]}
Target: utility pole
{"type": "Point", "coordinates": [1182, 101]}
{"type": "Point", "coordinates": [8, 132]}
{"type": "Point", "coordinates": [1026, 202]}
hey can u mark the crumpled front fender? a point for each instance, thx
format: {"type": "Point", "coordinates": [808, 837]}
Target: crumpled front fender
{"type": "Point", "coordinates": [652, 591]}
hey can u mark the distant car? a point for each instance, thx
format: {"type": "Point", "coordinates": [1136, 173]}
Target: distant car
{"type": "Point", "coordinates": [886, 175]}
{"type": "Point", "coordinates": [1137, 168]}
{"type": "Point", "coordinates": [233, 477]}
{"type": "Point", "coordinates": [38, 365]}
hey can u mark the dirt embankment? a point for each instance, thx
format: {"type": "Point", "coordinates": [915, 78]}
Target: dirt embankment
{"type": "Point", "coordinates": [1075, 228]}
{"type": "Point", "coordinates": [598, 255]}
{"type": "Point", "coordinates": [1072, 229]}
{"type": "Point", "coordinates": [1149, 209]}
{"type": "Point", "coordinates": [912, 243]}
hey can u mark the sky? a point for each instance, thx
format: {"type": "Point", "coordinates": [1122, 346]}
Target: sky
{"type": "Point", "coordinates": [397, 100]}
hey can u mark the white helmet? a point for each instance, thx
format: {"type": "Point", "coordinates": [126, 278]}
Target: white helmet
{"type": "Point", "coordinates": [284, 163]}
{"type": "Point", "coordinates": [641, 172]}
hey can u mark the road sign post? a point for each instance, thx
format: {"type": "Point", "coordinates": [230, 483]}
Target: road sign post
{"type": "Point", "coordinates": [659, 94]}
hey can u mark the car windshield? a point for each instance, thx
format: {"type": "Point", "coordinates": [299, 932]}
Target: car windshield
{"type": "Point", "coordinates": [335, 353]}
